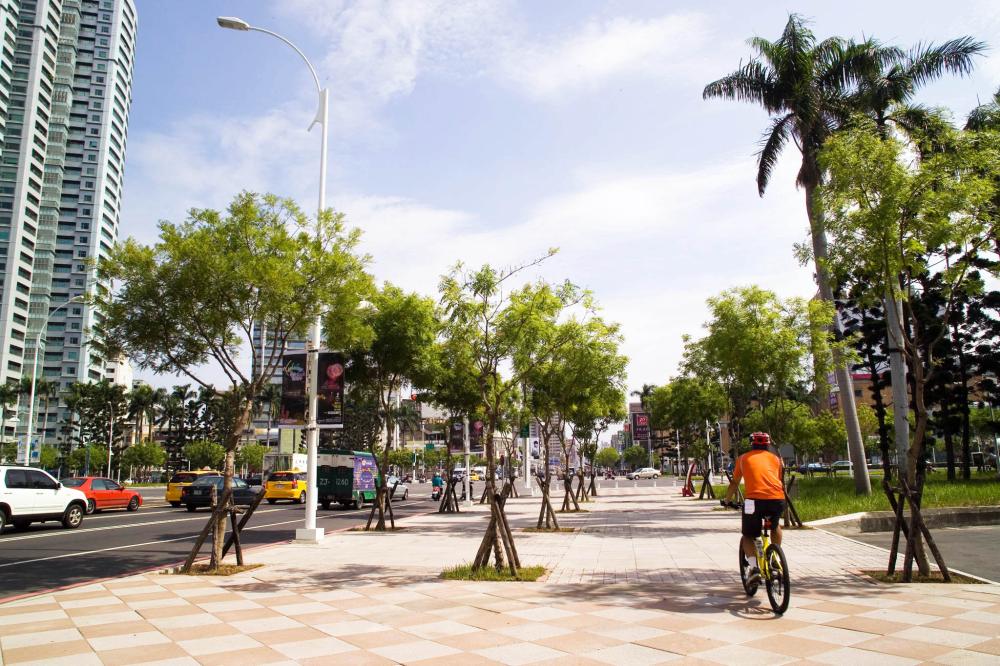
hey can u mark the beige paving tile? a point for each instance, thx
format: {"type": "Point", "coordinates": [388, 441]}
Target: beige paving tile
{"type": "Point", "coordinates": [405, 653]}
{"type": "Point", "coordinates": [368, 641]}
{"type": "Point", "coordinates": [899, 615]}
{"type": "Point", "coordinates": [743, 655]}
{"type": "Point", "coordinates": [101, 630]}
{"type": "Point", "coordinates": [856, 657]}
{"type": "Point", "coordinates": [260, 655]}
{"type": "Point", "coordinates": [625, 632]}
{"type": "Point", "coordinates": [440, 629]}
{"type": "Point", "coordinates": [989, 647]}
{"type": "Point", "coordinates": [147, 654]}
{"type": "Point", "coordinates": [965, 658]}
{"type": "Point", "coordinates": [359, 658]}
{"type": "Point", "coordinates": [630, 653]}
{"type": "Point", "coordinates": [955, 639]}
{"type": "Point", "coordinates": [40, 638]}
{"type": "Point", "coordinates": [519, 653]}
{"type": "Point", "coordinates": [200, 647]}
{"type": "Point", "coordinates": [318, 647]}
{"type": "Point", "coordinates": [901, 647]}
{"type": "Point", "coordinates": [129, 640]}
{"type": "Point", "coordinates": [48, 652]}
{"type": "Point", "coordinates": [204, 631]}
{"type": "Point", "coordinates": [287, 635]}
{"type": "Point", "coordinates": [579, 642]}
{"type": "Point", "coordinates": [183, 621]}
{"type": "Point", "coordinates": [532, 631]}
{"type": "Point", "coordinates": [680, 643]}
{"type": "Point", "coordinates": [30, 627]}
{"type": "Point", "coordinates": [479, 640]}
{"type": "Point", "coordinates": [832, 635]}
{"type": "Point", "coordinates": [265, 624]}
{"type": "Point", "coordinates": [790, 646]}
{"type": "Point", "coordinates": [868, 625]}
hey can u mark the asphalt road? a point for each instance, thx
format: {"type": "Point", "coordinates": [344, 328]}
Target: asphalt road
{"type": "Point", "coordinates": [969, 549]}
{"type": "Point", "coordinates": [115, 543]}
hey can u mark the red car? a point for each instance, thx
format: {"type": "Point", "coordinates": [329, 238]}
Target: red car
{"type": "Point", "coordinates": [104, 493]}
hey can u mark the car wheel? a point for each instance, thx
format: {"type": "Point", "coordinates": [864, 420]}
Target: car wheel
{"type": "Point", "coordinates": [176, 505]}
{"type": "Point", "coordinates": [3, 520]}
{"type": "Point", "coordinates": [302, 498]}
{"type": "Point", "coordinates": [406, 493]}
{"type": "Point", "coordinates": [72, 517]}
{"type": "Point", "coordinates": [91, 506]}
{"type": "Point", "coordinates": [133, 504]}
{"type": "Point", "coordinates": [356, 504]}
{"type": "Point", "coordinates": [271, 500]}
{"type": "Point", "coordinates": [192, 508]}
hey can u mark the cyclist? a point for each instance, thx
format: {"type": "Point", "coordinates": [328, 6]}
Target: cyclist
{"type": "Point", "coordinates": [761, 471]}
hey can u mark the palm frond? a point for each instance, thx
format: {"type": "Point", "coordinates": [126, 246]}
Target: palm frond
{"type": "Point", "coordinates": [985, 116]}
{"type": "Point", "coordinates": [772, 142]}
{"type": "Point", "coordinates": [753, 82]}
{"type": "Point", "coordinates": [956, 56]}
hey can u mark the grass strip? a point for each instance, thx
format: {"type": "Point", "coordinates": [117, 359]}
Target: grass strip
{"type": "Point", "coordinates": [465, 572]}
{"type": "Point", "coordinates": [222, 570]}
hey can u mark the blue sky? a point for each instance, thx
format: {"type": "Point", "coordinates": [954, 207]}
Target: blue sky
{"type": "Point", "coordinates": [489, 131]}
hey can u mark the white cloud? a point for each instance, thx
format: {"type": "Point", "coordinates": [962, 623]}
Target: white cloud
{"type": "Point", "coordinates": [603, 51]}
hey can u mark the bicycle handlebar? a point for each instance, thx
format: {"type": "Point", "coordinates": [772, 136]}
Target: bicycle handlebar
{"type": "Point", "coordinates": [731, 505]}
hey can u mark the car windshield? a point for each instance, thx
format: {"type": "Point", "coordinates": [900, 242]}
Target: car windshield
{"type": "Point", "coordinates": [209, 481]}
{"type": "Point", "coordinates": [73, 483]}
{"type": "Point", "coordinates": [183, 478]}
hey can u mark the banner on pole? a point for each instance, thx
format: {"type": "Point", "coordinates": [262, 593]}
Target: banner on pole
{"type": "Point", "coordinates": [476, 443]}
{"type": "Point", "coordinates": [456, 437]}
{"type": "Point", "coordinates": [330, 393]}
{"type": "Point", "coordinates": [293, 390]}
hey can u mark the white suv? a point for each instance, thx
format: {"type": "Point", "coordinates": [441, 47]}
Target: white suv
{"type": "Point", "coordinates": [29, 495]}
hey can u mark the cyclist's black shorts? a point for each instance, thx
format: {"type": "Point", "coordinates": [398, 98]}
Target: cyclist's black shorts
{"type": "Point", "coordinates": [763, 508]}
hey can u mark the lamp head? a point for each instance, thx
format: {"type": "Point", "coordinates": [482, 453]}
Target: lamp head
{"type": "Point", "coordinates": [232, 23]}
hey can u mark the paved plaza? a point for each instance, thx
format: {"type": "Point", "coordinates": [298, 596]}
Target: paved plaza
{"type": "Point", "coordinates": [647, 577]}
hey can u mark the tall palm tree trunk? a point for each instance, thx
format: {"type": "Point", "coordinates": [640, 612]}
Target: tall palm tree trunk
{"type": "Point", "coordinates": [817, 228]}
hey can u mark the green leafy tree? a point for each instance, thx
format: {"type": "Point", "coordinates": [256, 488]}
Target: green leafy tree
{"type": "Point", "coordinates": [684, 405]}
{"type": "Point", "coordinates": [190, 300]}
{"type": "Point", "coordinates": [803, 85]}
{"type": "Point", "coordinates": [88, 459]}
{"type": "Point", "coordinates": [607, 457]}
{"type": "Point", "coordinates": [490, 323]}
{"type": "Point", "coordinates": [897, 221]}
{"type": "Point", "coordinates": [636, 456]}
{"type": "Point", "coordinates": [398, 347]}
{"type": "Point", "coordinates": [99, 413]}
{"type": "Point", "coordinates": [251, 456]}
{"type": "Point", "coordinates": [48, 457]}
{"type": "Point", "coordinates": [143, 457]}
{"type": "Point", "coordinates": [205, 454]}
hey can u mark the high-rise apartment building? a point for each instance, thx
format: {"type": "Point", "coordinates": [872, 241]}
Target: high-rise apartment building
{"type": "Point", "coordinates": [65, 92]}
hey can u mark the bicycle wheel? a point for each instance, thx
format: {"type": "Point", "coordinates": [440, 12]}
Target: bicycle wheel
{"type": "Point", "coordinates": [745, 573]}
{"type": "Point", "coordinates": [779, 587]}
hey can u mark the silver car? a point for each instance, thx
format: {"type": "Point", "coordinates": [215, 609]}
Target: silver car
{"type": "Point", "coordinates": [402, 490]}
{"type": "Point", "coordinates": [644, 473]}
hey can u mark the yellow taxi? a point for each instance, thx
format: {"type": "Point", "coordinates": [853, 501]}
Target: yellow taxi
{"type": "Point", "coordinates": [286, 485]}
{"type": "Point", "coordinates": [182, 479]}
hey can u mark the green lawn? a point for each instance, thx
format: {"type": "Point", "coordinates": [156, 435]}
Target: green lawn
{"type": "Point", "coordinates": [822, 497]}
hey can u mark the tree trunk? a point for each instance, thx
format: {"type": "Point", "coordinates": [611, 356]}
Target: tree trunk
{"type": "Point", "coordinates": [817, 228]}
{"type": "Point", "coordinates": [963, 406]}
{"type": "Point", "coordinates": [897, 368]}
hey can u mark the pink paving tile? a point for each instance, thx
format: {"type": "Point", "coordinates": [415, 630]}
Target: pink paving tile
{"type": "Point", "coordinates": [517, 654]}
{"type": "Point", "coordinates": [406, 653]}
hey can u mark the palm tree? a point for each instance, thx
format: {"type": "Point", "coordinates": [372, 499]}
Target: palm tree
{"type": "Point", "coordinates": [805, 87]}
{"type": "Point", "coordinates": [985, 116]}
{"type": "Point", "coordinates": [48, 389]}
{"type": "Point", "coordinates": [139, 401]}
{"type": "Point", "coordinates": [154, 409]}
{"type": "Point", "coordinates": [270, 395]}
{"type": "Point", "coordinates": [643, 395]}
{"type": "Point", "coordinates": [9, 394]}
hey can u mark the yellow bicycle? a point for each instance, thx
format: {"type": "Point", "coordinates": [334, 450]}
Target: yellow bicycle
{"type": "Point", "coordinates": [772, 565]}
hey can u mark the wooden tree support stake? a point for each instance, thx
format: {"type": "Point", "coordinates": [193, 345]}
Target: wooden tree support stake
{"type": "Point", "coordinates": [706, 488]}
{"type": "Point", "coordinates": [791, 516]}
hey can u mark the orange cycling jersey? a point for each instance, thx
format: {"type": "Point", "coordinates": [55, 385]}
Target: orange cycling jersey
{"type": "Point", "coordinates": [761, 473]}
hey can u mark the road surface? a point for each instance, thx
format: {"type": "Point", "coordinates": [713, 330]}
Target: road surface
{"type": "Point", "coordinates": [114, 543]}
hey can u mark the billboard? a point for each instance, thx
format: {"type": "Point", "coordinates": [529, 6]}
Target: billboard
{"type": "Point", "coordinates": [640, 426]}
{"type": "Point", "coordinates": [330, 392]}
{"type": "Point", "coordinates": [293, 389]}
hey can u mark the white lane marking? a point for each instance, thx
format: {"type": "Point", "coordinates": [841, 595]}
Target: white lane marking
{"type": "Point", "coordinates": [150, 543]}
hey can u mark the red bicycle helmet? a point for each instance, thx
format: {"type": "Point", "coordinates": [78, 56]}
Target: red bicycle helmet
{"type": "Point", "coordinates": [760, 440]}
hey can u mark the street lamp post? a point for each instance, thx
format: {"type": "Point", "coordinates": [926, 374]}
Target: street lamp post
{"type": "Point", "coordinates": [310, 533]}
{"type": "Point", "coordinates": [34, 377]}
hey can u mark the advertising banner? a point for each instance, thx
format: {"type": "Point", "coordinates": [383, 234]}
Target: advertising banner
{"type": "Point", "coordinates": [330, 411]}
{"type": "Point", "coordinates": [476, 442]}
{"type": "Point", "coordinates": [456, 437]}
{"type": "Point", "coordinates": [293, 389]}
{"type": "Point", "coordinates": [640, 426]}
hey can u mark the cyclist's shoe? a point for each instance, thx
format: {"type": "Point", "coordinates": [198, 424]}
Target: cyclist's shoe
{"type": "Point", "coordinates": [753, 578]}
